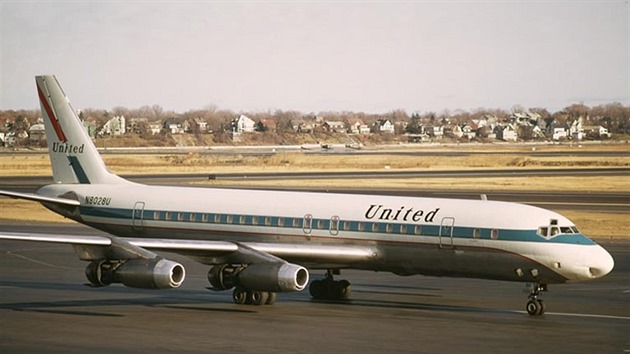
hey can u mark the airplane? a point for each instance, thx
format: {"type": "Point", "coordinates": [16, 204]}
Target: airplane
{"type": "Point", "coordinates": [259, 243]}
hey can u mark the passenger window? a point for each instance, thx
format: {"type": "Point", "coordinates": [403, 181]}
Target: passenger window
{"type": "Point", "coordinates": [204, 217]}
{"type": "Point", "coordinates": [389, 228]}
{"type": "Point", "coordinates": [296, 222]}
{"type": "Point", "coordinates": [217, 218]}
{"type": "Point", "coordinates": [320, 224]}
{"type": "Point", "coordinates": [417, 230]}
{"type": "Point", "coordinates": [334, 223]}
{"type": "Point", "coordinates": [280, 222]}
{"type": "Point", "coordinates": [241, 220]}
{"type": "Point", "coordinates": [494, 234]}
{"type": "Point", "coordinates": [476, 233]}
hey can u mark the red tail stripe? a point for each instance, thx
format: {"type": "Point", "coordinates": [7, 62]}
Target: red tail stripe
{"type": "Point", "coordinates": [51, 116]}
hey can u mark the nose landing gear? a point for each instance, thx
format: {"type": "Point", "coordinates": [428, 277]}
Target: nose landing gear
{"type": "Point", "coordinates": [535, 306]}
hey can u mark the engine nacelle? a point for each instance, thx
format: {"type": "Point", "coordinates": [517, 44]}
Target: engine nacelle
{"type": "Point", "coordinates": [272, 277]}
{"type": "Point", "coordinates": [137, 273]}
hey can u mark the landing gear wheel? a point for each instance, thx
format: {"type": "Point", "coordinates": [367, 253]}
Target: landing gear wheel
{"type": "Point", "coordinates": [271, 299]}
{"type": "Point", "coordinates": [346, 289]}
{"type": "Point", "coordinates": [316, 289]}
{"type": "Point", "coordinates": [535, 306]}
{"type": "Point", "coordinates": [541, 304]}
{"type": "Point", "coordinates": [257, 298]}
{"type": "Point", "coordinates": [239, 296]}
{"type": "Point", "coordinates": [330, 289]}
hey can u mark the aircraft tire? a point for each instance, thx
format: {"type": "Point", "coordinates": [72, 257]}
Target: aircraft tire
{"type": "Point", "coordinates": [271, 299]}
{"type": "Point", "coordinates": [534, 307]}
{"type": "Point", "coordinates": [257, 298]}
{"type": "Point", "coordinates": [239, 296]}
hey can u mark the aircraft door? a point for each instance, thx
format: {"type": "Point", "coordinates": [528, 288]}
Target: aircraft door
{"type": "Point", "coordinates": [446, 232]}
{"type": "Point", "coordinates": [138, 216]}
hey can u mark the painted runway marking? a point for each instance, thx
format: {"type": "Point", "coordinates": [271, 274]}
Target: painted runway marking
{"type": "Point", "coordinates": [33, 260]}
{"type": "Point", "coordinates": [586, 315]}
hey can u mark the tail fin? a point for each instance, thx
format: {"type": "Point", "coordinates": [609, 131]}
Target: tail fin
{"type": "Point", "coordinates": [73, 156]}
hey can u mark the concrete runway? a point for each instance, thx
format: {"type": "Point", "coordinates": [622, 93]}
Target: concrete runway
{"type": "Point", "coordinates": [45, 308]}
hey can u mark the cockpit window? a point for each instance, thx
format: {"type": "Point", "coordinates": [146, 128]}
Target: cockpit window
{"type": "Point", "coordinates": [553, 230]}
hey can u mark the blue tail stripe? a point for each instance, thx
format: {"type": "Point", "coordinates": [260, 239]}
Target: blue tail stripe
{"type": "Point", "coordinates": [78, 170]}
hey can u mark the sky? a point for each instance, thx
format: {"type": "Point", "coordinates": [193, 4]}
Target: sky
{"type": "Point", "coordinates": [373, 57]}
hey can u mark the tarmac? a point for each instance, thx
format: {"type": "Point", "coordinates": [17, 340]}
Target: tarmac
{"type": "Point", "coordinates": [45, 307]}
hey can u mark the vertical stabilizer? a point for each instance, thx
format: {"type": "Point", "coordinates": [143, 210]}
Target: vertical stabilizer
{"type": "Point", "coordinates": [73, 156]}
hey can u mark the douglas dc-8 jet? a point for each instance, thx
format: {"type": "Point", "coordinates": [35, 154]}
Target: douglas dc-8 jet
{"type": "Point", "coordinates": [260, 243]}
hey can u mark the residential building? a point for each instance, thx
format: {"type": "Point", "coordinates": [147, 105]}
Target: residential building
{"type": "Point", "coordinates": [243, 125]}
{"type": "Point", "coordinates": [385, 126]}
{"type": "Point", "coordinates": [114, 126]}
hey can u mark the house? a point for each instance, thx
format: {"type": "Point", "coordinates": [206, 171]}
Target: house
{"type": "Point", "coordinates": [576, 130]}
{"type": "Point", "coordinates": [385, 126]}
{"type": "Point", "coordinates": [356, 126]}
{"type": "Point", "coordinates": [486, 132]}
{"type": "Point", "coordinates": [335, 126]}
{"type": "Point", "coordinates": [36, 133]}
{"type": "Point", "coordinates": [468, 132]}
{"type": "Point", "coordinates": [304, 125]}
{"type": "Point", "coordinates": [558, 133]}
{"type": "Point", "coordinates": [506, 133]}
{"type": "Point", "coordinates": [268, 124]}
{"type": "Point", "coordinates": [199, 125]}
{"type": "Point", "coordinates": [114, 126]}
{"type": "Point", "coordinates": [173, 127]}
{"type": "Point", "coordinates": [243, 125]}
{"type": "Point", "coordinates": [155, 128]}
{"type": "Point", "coordinates": [434, 130]}
{"type": "Point", "coordinates": [597, 132]}
{"type": "Point", "coordinates": [137, 125]}
{"type": "Point", "coordinates": [456, 131]}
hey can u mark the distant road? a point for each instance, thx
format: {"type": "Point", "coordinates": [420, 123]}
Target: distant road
{"type": "Point", "coordinates": [187, 177]}
{"type": "Point", "coordinates": [604, 202]}
{"type": "Point", "coordinates": [272, 150]}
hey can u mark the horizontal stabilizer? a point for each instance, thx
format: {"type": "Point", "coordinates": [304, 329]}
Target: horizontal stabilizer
{"type": "Point", "coordinates": [40, 198]}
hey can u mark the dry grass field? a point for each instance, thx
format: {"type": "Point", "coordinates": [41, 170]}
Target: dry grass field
{"type": "Point", "coordinates": [601, 225]}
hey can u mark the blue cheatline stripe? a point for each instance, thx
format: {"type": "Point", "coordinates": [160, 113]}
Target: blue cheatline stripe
{"type": "Point", "coordinates": [459, 232]}
{"type": "Point", "coordinates": [78, 170]}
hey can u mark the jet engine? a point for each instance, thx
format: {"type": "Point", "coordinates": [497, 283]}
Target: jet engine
{"type": "Point", "coordinates": [154, 273]}
{"type": "Point", "coordinates": [272, 277]}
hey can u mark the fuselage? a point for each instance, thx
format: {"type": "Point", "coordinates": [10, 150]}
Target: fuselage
{"type": "Point", "coordinates": [430, 236]}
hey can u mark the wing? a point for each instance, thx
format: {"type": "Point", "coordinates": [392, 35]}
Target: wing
{"type": "Point", "coordinates": [209, 252]}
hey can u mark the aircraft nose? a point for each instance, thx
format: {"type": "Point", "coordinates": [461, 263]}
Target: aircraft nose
{"type": "Point", "coordinates": [600, 262]}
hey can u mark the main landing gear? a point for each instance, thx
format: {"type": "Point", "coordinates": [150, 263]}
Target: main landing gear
{"type": "Point", "coordinates": [535, 306]}
{"type": "Point", "coordinates": [242, 296]}
{"type": "Point", "coordinates": [329, 288]}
